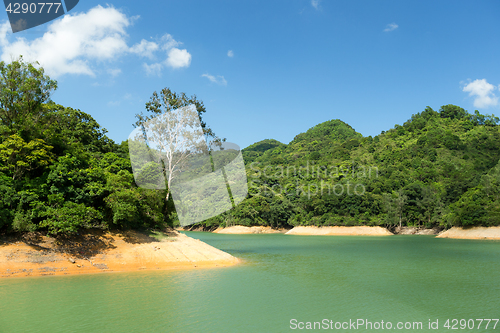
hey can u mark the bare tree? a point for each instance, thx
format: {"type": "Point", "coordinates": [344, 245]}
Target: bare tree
{"type": "Point", "coordinates": [168, 139]}
{"type": "Point", "coordinates": [173, 149]}
{"type": "Point", "coordinates": [165, 145]}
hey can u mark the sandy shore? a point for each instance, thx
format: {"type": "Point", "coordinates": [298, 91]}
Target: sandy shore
{"type": "Point", "coordinates": [340, 231]}
{"type": "Point", "coordinates": [107, 252]}
{"type": "Point", "coordinates": [471, 233]}
{"type": "Point", "coordinates": [239, 229]}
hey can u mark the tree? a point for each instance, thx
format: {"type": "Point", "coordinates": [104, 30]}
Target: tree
{"type": "Point", "coordinates": [18, 157]}
{"type": "Point", "coordinates": [169, 139]}
{"type": "Point", "coordinates": [174, 135]}
{"type": "Point", "coordinates": [23, 90]}
{"type": "Point", "coordinates": [430, 204]}
{"type": "Point", "coordinates": [452, 111]}
{"type": "Point", "coordinates": [167, 101]}
{"type": "Point", "coordinates": [395, 206]}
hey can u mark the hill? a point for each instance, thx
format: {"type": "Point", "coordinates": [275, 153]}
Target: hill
{"type": "Point", "coordinates": [430, 171]}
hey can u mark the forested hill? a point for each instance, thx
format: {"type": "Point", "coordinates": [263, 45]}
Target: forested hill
{"type": "Point", "coordinates": [440, 168]}
{"type": "Point", "coordinates": [60, 173]}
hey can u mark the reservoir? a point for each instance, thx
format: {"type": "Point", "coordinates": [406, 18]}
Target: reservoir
{"type": "Point", "coordinates": [283, 283]}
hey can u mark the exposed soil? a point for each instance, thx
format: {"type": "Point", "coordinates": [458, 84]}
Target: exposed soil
{"type": "Point", "coordinates": [239, 229]}
{"type": "Point", "coordinates": [340, 231]}
{"type": "Point", "coordinates": [97, 251]}
{"type": "Point", "coordinates": [471, 233]}
{"type": "Point", "coordinates": [417, 231]}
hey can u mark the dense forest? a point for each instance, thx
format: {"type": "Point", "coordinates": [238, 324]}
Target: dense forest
{"type": "Point", "coordinates": [60, 173]}
{"type": "Point", "coordinates": [438, 169]}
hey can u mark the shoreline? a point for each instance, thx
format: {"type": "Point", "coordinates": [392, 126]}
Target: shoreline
{"type": "Point", "coordinates": [108, 252]}
{"type": "Point", "coordinates": [310, 230]}
{"type": "Point", "coordinates": [490, 233]}
{"type": "Point", "coordinates": [340, 231]}
{"type": "Point", "coordinates": [240, 229]}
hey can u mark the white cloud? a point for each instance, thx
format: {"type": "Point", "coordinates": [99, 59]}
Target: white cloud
{"type": "Point", "coordinates": [169, 42]}
{"type": "Point", "coordinates": [153, 69]}
{"type": "Point", "coordinates": [114, 72]}
{"type": "Point", "coordinates": [178, 58]}
{"type": "Point", "coordinates": [391, 27]}
{"type": "Point", "coordinates": [230, 53]}
{"type": "Point", "coordinates": [75, 43]}
{"type": "Point", "coordinates": [219, 79]}
{"type": "Point", "coordinates": [482, 92]}
{"type": "Point", "coordinates": [144, 48]}
{"type": "Point", "coordinates": [71, 42]}
{"type": "Point", "coordinates": [315, 4]}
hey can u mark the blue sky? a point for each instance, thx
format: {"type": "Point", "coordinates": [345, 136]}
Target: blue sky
{"type": "Point", "coordinates": [270, 69]}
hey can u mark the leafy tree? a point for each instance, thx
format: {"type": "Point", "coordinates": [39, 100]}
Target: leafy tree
{"type": "Point", "coordinates": [70, 218]}
{"type": "Point", "coordinates": [452, 112]}
{"type": "Point", "coordinates": [170, 133]}
{"type": "Point", "coordinates": [24, 89]}
{"type": "Point", "coordinates": [168, 101]}
{"type": "Point", "coordinates": [19, 157]}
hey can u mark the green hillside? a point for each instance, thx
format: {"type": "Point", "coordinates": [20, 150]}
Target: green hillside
{"type": "Point", "coordinates": [60, 173]}
{"type": "Point", "coordinates": [252, 152]}
{"type": "Point", "coordinates": [437, 169]}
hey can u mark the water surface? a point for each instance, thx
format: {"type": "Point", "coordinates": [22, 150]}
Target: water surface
{"type": "Point", "coordinates": [283, 277]}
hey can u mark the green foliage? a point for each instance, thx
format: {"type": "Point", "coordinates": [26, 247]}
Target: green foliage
{"type": "Point", "coordinates": [480, 205]}
{"type": "Point", "coordinates": [18, 157]}
{"type": "Point", "coordinates": [130, 207]}
{"type": "Point", "coordinates": [166, 101]}
{"type": "Point", "coordinates": [70, 218]}
{"type": "Point", "coordinates": [452, 111]}
{"type": "Point", "coordinates": [252, 152]}
{"type": "Point", "coordinates": [435, 169]}
{"type": "Point", "coordinates": [23, 90]}
{"type": "Point", "coordinates": [59, 172]}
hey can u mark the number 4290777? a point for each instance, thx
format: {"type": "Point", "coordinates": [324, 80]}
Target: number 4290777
{"type": "Point", "coordinates": [456, 324]}
{"type": "Point", "coordinates": [41, 7]}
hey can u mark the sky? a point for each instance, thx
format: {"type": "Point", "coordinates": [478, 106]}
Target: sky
{"type": "Point", "coordinates": [269, 69]}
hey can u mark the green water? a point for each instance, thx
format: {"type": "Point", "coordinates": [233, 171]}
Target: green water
{"type": "Point", "coordinates": [307, 278]}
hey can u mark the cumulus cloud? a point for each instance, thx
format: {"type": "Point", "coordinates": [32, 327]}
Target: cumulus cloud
{"type": "Point", "coordinates": [145, 48]}
{"type": "Point", "coordinates": [483, 93]}
{"type": "Point", "coordinates": [391, 27]}
{"type": "Point", "coordinates": [219, 79]}
{"type": "Point", "coordinates": [72, 41]}
{"type": "Point", "coordinates": [75, 43]}
{"type": "Point", "coordinates": [315, 4]}
{"type": "Point", "coordinates": [178, 58]}
{"type": "Point", "coordinates": [230, 53]}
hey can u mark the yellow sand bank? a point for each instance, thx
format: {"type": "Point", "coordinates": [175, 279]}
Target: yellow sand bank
{"type": "Point", "coordinates": [107, 252]}
{"type": "Point", "coordinates": [341, 231]}
{"type": "Point", "coordinates": [239, 229]}
{"type": "Point", "coordinates": [471, 233]}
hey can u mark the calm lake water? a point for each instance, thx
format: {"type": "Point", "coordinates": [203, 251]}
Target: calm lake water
{"type": "Point", "coordinates": [398, 279]}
